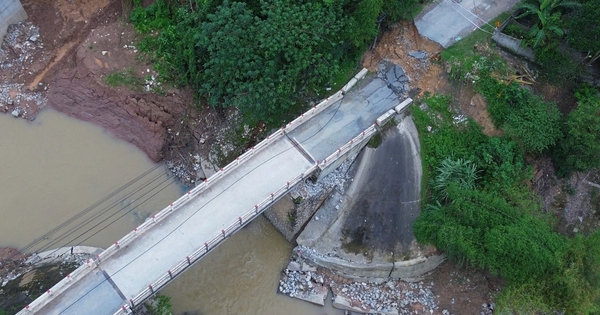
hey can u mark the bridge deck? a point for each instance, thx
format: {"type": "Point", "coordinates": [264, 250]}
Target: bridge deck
{"type": "Point", "coordinates": [342, 121]}
{"type": "Point", "coordinates": [126, 273]}
{"type": "Point", "coordinates": [139, 263]}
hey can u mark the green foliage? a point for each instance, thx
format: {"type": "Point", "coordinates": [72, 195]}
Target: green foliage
{"type": "Point", "coordinates": [530, 121]}
{"type": "Point", "coordinates": [461, 172]}
{"type": "Point", "coordinates": [395, 10]}
{"type": "Point", "coordinates": [256, 57]}
{"type": "Point", "coordinates": [584, 29]}
{"type": "Point", "coordinates": [557, 67]}
{"type": "Point", "coordinates": [496, 221]}
{"type": "Point", "coordinates": [375, 141]}
{"type": "Point", "coordinates": [258, 65]}
{"type": "Point", "coordinates": [261, 56]}
{"type": "Point", "coordinates": [581, 147]}
{"type": "Point", "coordinates": [548, 14]}
{"type": "Point", "coordinates": [502, 163]}
{"type": "Point", "coordinates": [363, 22]}
{"type": "Point", "coordinates": [124, 78]}
{"type": "Point", "coordinates": [161, 306]}
{"type": "Point", "coordinates": [482, 229]}
{"type": "Point", "coordinates": [534, 124]}
{"type": "Point", "coordinates": [525, 299]}
{"type": "Point", "coordinates": [155, 16]}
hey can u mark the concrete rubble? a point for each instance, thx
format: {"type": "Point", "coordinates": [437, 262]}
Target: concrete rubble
{"type": "Point", "coordinates": [21, 49]}
{"type": "Point", "coordinates": [22, 40]}
{"type": "Point", "coordinates": [59, 256]}
{"type": "Point", "coordinates": [304, 282]}
{"type": "Point", "coordinates": [395, 77]}
{"type": "Point", "coordinates": [15, 99]}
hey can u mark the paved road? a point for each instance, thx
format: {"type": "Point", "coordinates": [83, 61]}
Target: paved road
{"type": "Point", "coordinates": [444, 21]}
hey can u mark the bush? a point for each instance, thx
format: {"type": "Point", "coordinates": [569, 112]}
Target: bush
{"type": "Point", "coordinates": [580, 150]}
{"type": "Point", "coordinates": [525, 117]}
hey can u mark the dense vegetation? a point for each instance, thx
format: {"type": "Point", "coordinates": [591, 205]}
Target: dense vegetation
{"type": "Point", "coordinates": [481, 212]}
{"type": "Point", "coordinates": [262, 56]}
{"type": "Point", "coordinates": [266, 57]}
{"type": "Point", "coordinates": [480, 209]}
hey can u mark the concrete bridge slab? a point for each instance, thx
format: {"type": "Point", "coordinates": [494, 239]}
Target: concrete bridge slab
{"type": "Point", "coordinates": [342, 121]}
{"type": "Point", "coordinates": [90, 293]}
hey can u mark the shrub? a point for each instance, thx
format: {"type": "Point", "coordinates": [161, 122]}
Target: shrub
{"type": "Point", "coordinates": [580, 150]}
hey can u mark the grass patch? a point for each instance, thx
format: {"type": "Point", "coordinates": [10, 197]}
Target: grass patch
{"type": "Point", "coordinates": [125, 78]}
{"type": "Point", "coordinates": [375, 141]}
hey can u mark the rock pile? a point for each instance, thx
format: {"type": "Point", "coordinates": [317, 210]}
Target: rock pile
{"type": "Point", "coordinates": [302, 281]}
{"type": "Point", "coordinates": [337, 178]}
{"type": "Point", "coordinates": [20, 46]}
{"type": "Point", "coordinates": [13, 99]}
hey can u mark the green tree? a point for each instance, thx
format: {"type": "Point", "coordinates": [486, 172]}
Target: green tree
{"type": "Point", "coordinates": [501, 161]}
{"type": "Point", "coordinates": [548, 13]}
{"type": "Point", "coordinates": [584, 30]}
{"type": "Point", "coordinates": [395, 10]}
{"type": "Point", "coordinates": [580, 150]}
{"type": "Point", "coordinates": [260, 64]}
{"type": "Point", "coordinates": [534, 124]}
{"type": "Point", "coordinates": [363, 21]}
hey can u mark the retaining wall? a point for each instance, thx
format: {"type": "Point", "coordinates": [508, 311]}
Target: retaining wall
{"type": "Point", "coordinates": [11, 11]}
{"type": "Point", "coordinates": [413, 268]}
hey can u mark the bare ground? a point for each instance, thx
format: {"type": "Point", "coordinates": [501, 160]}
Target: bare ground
{"type": "Point", "coordinates": [81, 42]}
{"type": "Point", "coordinates": [77, 45]}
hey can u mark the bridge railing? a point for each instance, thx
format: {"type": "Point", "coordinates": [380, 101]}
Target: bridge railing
{"type": "Point", "coordinates": [60, 287]}
{"type": "Point", "coordinates": [127, 239]}
{"type": "Point", "coordinates": [212, 243]}
{"type": "Point", "coordinates": [325, 103]}
{"type": "Point", "coordinates": [367, 133]}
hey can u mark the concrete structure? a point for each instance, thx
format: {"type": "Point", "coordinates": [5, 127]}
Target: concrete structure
{"type": "Point", "coordinates": [11, 11]}
{"type": "Point", "coordinates": [380, 205]}
{"type": "Point", "coordinates": [447, 21]}
{"type": "Point", "coordinates": [145, 260]}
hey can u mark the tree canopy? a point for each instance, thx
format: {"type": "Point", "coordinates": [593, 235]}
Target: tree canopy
{"type": "Point", "coordinates": [261, 56]}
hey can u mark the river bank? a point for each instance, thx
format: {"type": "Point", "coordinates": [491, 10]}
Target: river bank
{"type": "Point", "coordinates": [66, 68]}
{"type": "Point", "coordinates": [24, 277]}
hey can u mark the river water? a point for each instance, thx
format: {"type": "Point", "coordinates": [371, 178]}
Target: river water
{"type": "Point", "coordinates": [57, 169]}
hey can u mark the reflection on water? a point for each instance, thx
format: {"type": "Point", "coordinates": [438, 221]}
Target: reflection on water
{"type": "Point", "coordinates": [56, 167]}
{"type": "Point", "coordinates": [241, 277]}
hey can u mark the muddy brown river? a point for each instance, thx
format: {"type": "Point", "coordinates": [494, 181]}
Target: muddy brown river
{"type": "Point", "coordinates": [57, 169]}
